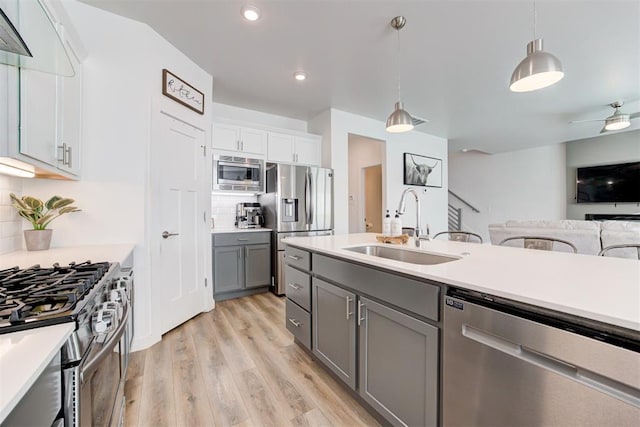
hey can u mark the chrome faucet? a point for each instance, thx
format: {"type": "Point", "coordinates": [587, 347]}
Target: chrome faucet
{"type": "Point", "coordinates": [417, 234]}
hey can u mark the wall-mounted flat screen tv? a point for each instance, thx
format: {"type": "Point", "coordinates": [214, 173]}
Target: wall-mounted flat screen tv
{"type": "Point", "coordinates": [609, 184]}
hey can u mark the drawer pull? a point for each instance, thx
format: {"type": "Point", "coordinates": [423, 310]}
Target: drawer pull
{"type": "Point", "coordinates": [294, 257]}
{"type": "Point", "coordinates": [294, 322]}
{"type": "Point", "coordinates": [243, 240]}
{"type": "Point", "coordinates": [295, 286]}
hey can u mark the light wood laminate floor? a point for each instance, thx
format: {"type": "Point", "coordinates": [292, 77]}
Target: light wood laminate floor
{"type": "Point", "coordinates": [236, 365]}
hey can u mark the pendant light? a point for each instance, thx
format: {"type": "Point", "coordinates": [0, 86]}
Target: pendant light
{"type": "Point", "coordinates": [400, 120]}
{"type": "Point", "coordinates": [539, 69]}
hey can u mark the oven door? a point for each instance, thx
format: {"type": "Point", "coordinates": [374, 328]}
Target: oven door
{"type": "Point", "coordinates": [101, 391]}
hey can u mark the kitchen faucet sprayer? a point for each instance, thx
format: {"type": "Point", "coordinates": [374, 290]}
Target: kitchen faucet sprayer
{"type": "Point", "coordinates": [402, 206]}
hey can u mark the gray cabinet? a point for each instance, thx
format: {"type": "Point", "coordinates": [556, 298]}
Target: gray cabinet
{"type": "Point", "coordinates": [376, 331]}
{"type": "Point", "coordinates": [398, 365]}
{"type": "Point", "coordinates": [241, 264]}
{"type": "Point", "coordinates": [298, 323]}
{"type": "Point", "coordinates": [257, 265]}
{"type": "Point", "coordinates": [334, 329]}
{"type": "Point", "coordinates": [297, 279]}
{"type": "Point", "coordinates": [228, 267]}
{"type": "Point", "coordinates": [298, 287]}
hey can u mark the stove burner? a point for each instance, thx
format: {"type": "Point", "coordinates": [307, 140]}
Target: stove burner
{"type": "Point", "coordinates": [36, 293]}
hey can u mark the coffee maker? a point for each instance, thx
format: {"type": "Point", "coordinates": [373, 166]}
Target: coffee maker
{"type": "Point", "coordinates": [249, 215]}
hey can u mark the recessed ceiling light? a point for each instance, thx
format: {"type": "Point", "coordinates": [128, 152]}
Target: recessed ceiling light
{"type": "Point", "coordinates": [300, 75]}
{"type": "Point", "coordinates": [250, 12]}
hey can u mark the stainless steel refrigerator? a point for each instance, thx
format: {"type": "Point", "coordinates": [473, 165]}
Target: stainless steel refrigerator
{"type": "Point", "coordinates": [298, 202]}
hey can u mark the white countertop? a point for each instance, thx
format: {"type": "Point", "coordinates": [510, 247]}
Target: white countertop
{"type": "Point", "coordinates": [23, 357]}
{"type": "Point", "coordinates": [237, 230]}
{"type": "Point", "coordinates": [96, 253]}
{"type": "Point", "coordinates": [600, 288]}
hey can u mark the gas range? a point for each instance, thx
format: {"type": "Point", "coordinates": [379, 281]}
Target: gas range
{"type": "Point", "coordinates": [98, 298]}
{"type": "Point", "coordinates": [41, 296]}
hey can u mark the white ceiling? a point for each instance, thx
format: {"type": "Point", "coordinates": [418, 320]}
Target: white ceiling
{"type": "Point", "coordinates": [457, 57]}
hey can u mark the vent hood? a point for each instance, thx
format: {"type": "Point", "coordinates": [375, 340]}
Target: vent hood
{"type": "Point", "coordinates": [30, 39]}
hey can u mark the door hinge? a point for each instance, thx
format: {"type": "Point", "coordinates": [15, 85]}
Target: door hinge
{"type": "Point", "coordinates": [204, 150]}
{"type": "Point", "coordinates": [205, 282]}
{"type": "Point", "coordinates": [204, 216]}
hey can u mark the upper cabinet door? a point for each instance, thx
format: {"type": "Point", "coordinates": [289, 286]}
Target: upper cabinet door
{"type": "Point", "coordinates": [71, 125]}
{"type": "Point", "coordinates": [39, 115]}
{"type": "Point", "coordinates": [240, 139]}
{"type": "Point", "coordinates": [280, 148]}
{"type": "Point", "coordinates": [253, 141]}
{"type": "Point", "coordinates": [226, 137]}
{"type": "Point", "coordinates": [307, 150]}
{"type": "Point", "coordinates": [51, 116]}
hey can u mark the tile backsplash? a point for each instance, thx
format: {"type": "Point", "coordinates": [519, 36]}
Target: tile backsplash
{"type": "Point", "coordinates": [223, 208]}
{"type": "Point", "coordinates": [10, 221]}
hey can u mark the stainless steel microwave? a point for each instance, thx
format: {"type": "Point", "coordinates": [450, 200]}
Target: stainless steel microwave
{"type": "Point", "coordinates": [232, 173]}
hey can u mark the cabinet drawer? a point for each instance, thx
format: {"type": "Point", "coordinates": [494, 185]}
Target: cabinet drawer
{"type": "Point", "coordinates": [298, 258]}
{"type": "Point", "coordinates": [298, 287]}
{"type": "Point", "coordinates": [250, 238]}
{"type": "Point", "coordinates": [299, 323]}
{"type": "Point", "coordinates": [415, 296]}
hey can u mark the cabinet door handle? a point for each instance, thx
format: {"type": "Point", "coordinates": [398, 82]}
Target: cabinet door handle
{"type": "Point", "coordinates": [349, 313]}
{"type": "Point", "coordinates": [294, 257]}
{"type": "Point", "coordinates": [246, 251]}
{"type": "Point", "coordinates": [68, 152]}
{"type": "Point", "coordinates": [360, 307]}
{"type": "Point", "coordinates": [294, 323]}
{"type": "Point", "coordinates": [295, 286]}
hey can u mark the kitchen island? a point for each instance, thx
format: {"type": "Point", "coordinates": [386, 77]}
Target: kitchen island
{"type": "Point", "coordinates": [389, 330]}
{"type": "Point", "coordinates": [599, 288]}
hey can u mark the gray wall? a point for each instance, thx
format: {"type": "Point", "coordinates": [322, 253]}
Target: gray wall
{"type": "Point", "coordinates": [615, 148]}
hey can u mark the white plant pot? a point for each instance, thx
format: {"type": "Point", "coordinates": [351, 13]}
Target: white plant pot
{"type": "Point", "coordinates": [37, 240]}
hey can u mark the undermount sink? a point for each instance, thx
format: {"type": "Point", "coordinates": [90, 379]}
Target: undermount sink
{"type": "Point", "coordinates": [404, 255]}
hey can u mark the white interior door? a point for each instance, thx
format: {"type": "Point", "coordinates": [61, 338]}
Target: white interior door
{"type": "Point", "coordinates": [178, 272]}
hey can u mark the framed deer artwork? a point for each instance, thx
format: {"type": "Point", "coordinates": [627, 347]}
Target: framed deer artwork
{"type": "Point", "coordinates": [422, 170]}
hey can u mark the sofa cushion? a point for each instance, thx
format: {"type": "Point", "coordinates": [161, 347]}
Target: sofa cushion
{"type": "Point", "coordinates": [619, 233]}
{"type": "Point", "coordinates": [585, 235]}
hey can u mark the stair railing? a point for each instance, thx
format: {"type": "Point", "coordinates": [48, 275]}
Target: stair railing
{"type": "Point", "coordinates": [454, 215]}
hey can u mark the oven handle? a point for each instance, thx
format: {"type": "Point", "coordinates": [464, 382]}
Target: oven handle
{"type": "Point", "coordinates": [243, 165]}
{"type": "Point", "coordinates": [107, 348]}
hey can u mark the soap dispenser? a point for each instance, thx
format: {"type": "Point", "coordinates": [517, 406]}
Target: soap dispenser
{"type": "Point", "coordinates": [386, 225]}
{"type": "Point", "coordinates": [396, 225]}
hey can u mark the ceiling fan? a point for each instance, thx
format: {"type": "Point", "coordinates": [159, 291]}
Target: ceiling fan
{"type": "Point", "coordinates": [617, 121]}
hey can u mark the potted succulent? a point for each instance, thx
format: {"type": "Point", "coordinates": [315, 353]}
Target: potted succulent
{"type": "Point", "coordinates": [40, 215]}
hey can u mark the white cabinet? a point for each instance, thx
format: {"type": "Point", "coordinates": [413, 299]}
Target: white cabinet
{"type": "Point", "coordinates": [51, 117]}
{"type": "Point", "coordinates": [280, 148]}
{"type": "Point", "coordinates": [307, 150]}
{"type": "Point", "coordinates": [238, 138]}
{"type": "Point", "coordinates": [285, 148]}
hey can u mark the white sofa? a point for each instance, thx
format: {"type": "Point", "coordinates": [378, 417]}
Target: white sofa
{"type": "Point", "coordinates": [589, 237]}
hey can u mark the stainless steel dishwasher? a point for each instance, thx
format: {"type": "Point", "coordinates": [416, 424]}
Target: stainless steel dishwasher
{"type": "Point", "coordinates": [510, 364]}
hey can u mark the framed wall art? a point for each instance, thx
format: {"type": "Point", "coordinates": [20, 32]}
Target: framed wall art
{"type": "Point", "coordinates": [422, 170]}
{"type": "Point", "coordinates": [182, 92]}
